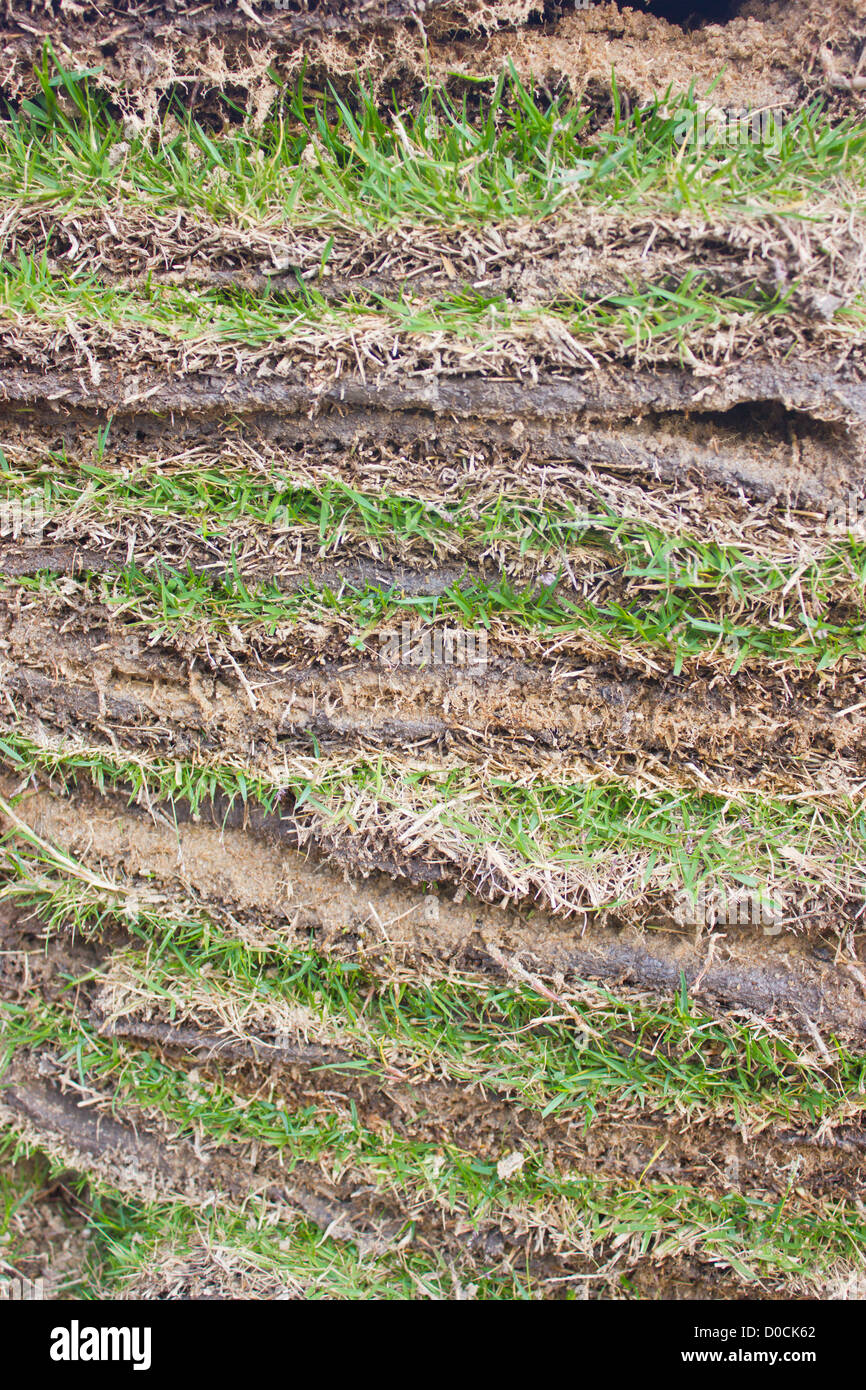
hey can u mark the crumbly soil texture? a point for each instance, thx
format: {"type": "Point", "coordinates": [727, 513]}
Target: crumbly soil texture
{"type": "Point", "coordinates": [769, 52]}
{"type": "Point", "coordinates": [224, 766]}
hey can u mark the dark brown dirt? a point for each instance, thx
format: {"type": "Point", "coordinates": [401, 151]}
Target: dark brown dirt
{"type": "Point", "coordinates": [249, 863]}
{"type": "Point", "coordinates": [668, 425]}
{"type": "Point", "coordinates": [742, 440]}
{"type": "Point", "coordinates": [76, 1125]}
{"type": "Point", "coordinates": [68, 668]}
{"type": "Point", "coordinates": [576, 255]}
{"type": "Point", "coordinates": [761, 52]}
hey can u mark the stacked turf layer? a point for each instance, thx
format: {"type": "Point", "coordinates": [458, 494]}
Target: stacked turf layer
{"type": "Point", "coordinates": [329, 968]}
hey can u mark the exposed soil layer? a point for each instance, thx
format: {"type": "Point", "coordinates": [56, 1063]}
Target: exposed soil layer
{"type": "Point", "coordinates": [768, 53]}
{"type": "Point", "coordinates": [68, 669]}
{"type": "Point", "coordinates": [790, 427]}
{"type": "Point", "coordinates": [748, 438]}
{"type": "Point", "coordinates": [734, 477]}
{"type": "Point", "coordinates": [585, 255]}
{"type": "Point", "coordinates": [665, 424]}
{"type": "Point", "coordinates": [297, 1067]}
{"type": "Point", "coordinates": [78, 1125]}
{"type": "Point", "coordinates": [258, 866]}
{"type": "Point", "coordinates": [133, 1157]}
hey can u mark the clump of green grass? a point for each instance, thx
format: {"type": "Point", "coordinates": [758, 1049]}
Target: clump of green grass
{"type": "Point", "coordinates": [604, 1048]}
{"type": "Point", "coordinates": [630, 841]}
{"type": "Point", "coordinates": [676, 623]}
{"type": "Point", "coordinates": [743, 1231]}
{"type": "Point", "coordinates": [507, 529]}
{"type": "Point", "coordinates": [322, 158]}
{"type": "Point", "coordinates": [654, 316]}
